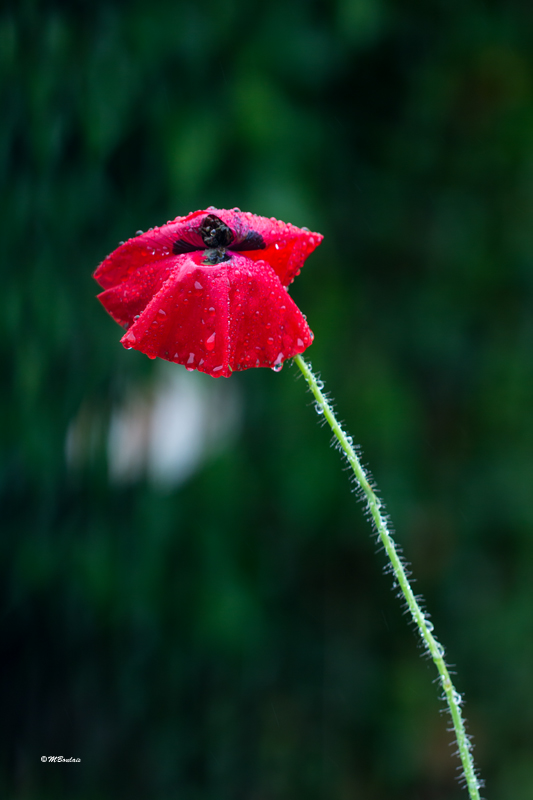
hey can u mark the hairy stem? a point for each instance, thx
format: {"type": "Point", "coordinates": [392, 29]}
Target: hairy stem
{"type": "Point", "coordinates": [425, 627]}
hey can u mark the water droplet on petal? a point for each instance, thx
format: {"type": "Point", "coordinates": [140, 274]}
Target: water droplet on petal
{"type": "Point", "coordinates": [163, 313]}
{"type": "Point", "coordinates": [210, 343]}
{"type": "Point", "coordinates": [278, 363]}
{"type": "Point", "coordinates": [138, 233]}
{"type": "Point", "coordinates": [200, 362]}
{"type": "Point", "coordinates": [130, 338]}
{"type": "Point", "coordinates": [276, 246]}
{"type": "Point", "coordinates": [198, 285]}
{"type": "Point", "coordinates": [190, 360]}
{"type": "Point", "coordinates": [216, 369]}
{"type": "Point", "coordinates": [299, 343]}
{"type": "Point", "coordinates": [211, 311]}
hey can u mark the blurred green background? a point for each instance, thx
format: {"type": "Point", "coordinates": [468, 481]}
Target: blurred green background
{"type": "Point", "coordinates": [192, 601]}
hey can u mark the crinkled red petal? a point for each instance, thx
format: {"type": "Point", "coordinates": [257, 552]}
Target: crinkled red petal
{"type": "Point", "coordinates": [285, 246]}
{"type": "Point", "coordinates": [221, 318]}
{"type": "Point", "coordinates": [128, 299]}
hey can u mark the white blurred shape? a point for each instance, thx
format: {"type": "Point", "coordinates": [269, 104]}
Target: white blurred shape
{"type": "Point", "coordinates": [165, 432]}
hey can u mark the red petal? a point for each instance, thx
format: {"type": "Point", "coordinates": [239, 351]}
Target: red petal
{"type": "Point", "coordinates": [187, 320]}
{"type": "Point", "coordinates": [147, 249]}
{"type": "Point", "coordinates": [266, 326]}
{"type": "Point", "coordinates": [286, 246]}
{"type": "Point", "coordinates": [230, 316]}
{"type": "Point", "coordinates": [128, 299]}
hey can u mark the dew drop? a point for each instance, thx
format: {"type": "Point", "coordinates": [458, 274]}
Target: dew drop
{"type": "Point", "coordinates": [130, 338]}
{"type": "Point", "coordinates": [121, 243]}
{"type": "Point", "coordinates": [176, 355]}
{"type": "Point", "coordinates": [190, 360]}
{"type": "Point", "coordinates": [210, 343]}
{"type": "Point", "coordinates": [270, 339]}
{"type": "Point", "coordinates": [163, 313]}
{"type": "Point", "coordinates": [138, 233]}
{"type": "Point", "coordinates": [136, 316]}
{"type": "Point", "coordinates": [276, 246]}
{"type": "Point", "coordinates": [198, 285]}
{"type": "Point", "coordinates": [211, 311]}
{"type": "Point", "coordinates": [299, 343]}
{"type": "Point", "coordinates": [278, 363]}
{"type": "Point", "coordinates": [216, 369]}
{"type": "Point", "coordinates": [200, 362]}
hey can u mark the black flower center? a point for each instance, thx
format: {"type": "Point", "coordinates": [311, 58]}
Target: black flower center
{"type": "Point", "coordinates": [217, 236]}
{"type": "Point", "coordinates": [215, 255]}
{"type": "Point", "coordinates": [215, 233]}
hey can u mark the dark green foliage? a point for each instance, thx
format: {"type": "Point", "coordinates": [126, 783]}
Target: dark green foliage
{"type": "Point", "coordinates": [234, 636]}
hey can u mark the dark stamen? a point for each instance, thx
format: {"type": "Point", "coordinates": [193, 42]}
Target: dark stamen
{"type": "Point", "coordinates": [215, 233]}
{"type": "Point", "coordinates": [215, 256]}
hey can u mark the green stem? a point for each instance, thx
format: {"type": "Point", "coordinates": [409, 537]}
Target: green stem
{"type": "Point", "coordinates": [425, 627]}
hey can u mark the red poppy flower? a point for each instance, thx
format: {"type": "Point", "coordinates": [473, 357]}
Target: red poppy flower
{"type": "Point", "coordinates": [209, 291]}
